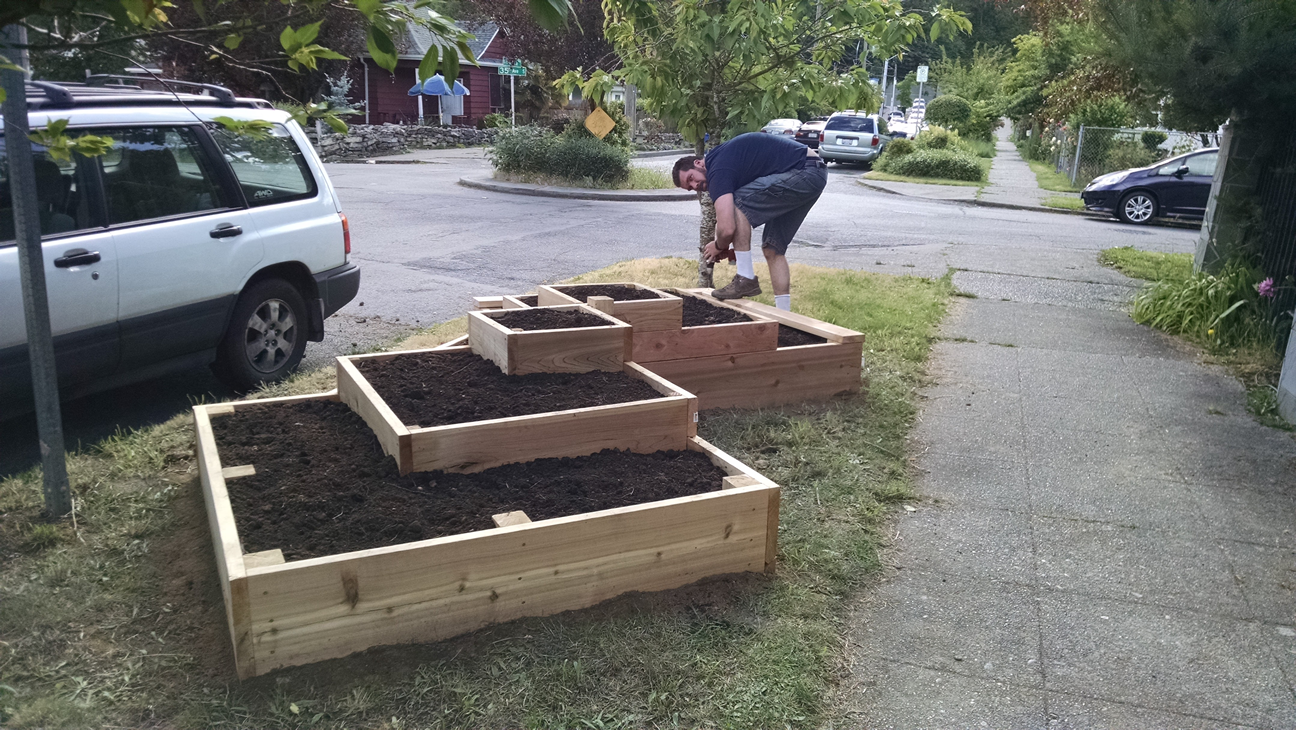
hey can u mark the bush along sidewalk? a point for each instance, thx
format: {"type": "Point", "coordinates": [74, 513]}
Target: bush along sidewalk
{"type": "Point", "coordinates": [117, 620]}
{"type": "Point", "coordinates": [1234, 316]}
{"type": "Point", "coordinates": [935, 154]}
{"type": "Point", "coordinates": [571, 156]}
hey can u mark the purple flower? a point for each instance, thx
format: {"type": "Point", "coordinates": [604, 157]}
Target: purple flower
{"type": "Point", "coordinates": [1266, 288]}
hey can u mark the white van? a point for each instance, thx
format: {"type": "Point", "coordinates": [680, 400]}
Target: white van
{"type": "Point", "coordinates": [185, 245]}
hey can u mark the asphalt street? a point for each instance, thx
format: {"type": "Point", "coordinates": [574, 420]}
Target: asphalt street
{"type": "Point", "coordinates": [427, 245]}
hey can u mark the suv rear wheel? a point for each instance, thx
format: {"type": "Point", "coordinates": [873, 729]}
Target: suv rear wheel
{"type": "Point", "coordinates": [266, 337]}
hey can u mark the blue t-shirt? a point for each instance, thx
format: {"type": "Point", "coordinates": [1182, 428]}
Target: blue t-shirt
{"type": "Point", "coordinates": [749, 156]}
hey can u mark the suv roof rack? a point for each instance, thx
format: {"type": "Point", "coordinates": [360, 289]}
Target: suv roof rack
{"type": "Point", "coordinates": [117, 90]}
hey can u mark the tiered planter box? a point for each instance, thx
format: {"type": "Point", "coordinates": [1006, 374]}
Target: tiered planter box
{"type": "Point", "coordinates": [284, 614]}
{"type": "Point", "coordinates": [642, 427]}
{"type": "Point", "coordinates": [573, 350]}
{"type": "Point", "coordinates": [773, 377]}
{"type": "Point", "coordinates": [662, 313]}
{"type": "Point", "coordinates": [758, 335]}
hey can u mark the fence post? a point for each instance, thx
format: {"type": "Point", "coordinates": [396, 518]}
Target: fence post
{"type": "Point", "coordinates": [1075, 169]}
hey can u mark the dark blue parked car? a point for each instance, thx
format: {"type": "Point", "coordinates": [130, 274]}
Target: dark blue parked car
{"type": "Point", "coordinates": [1177, 187]}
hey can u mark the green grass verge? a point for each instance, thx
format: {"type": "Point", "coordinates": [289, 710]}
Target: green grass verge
{"type": "Point", "coordinates": [641, 178]}
{"type": "Point", "coordinates": [887, 177]}
{"type": "Point", "coordinates": [1051, 179]}
{"type": "Point", "coordinates": [1063, 202]}
{"type": "Point", "coordinates": [1149, 265]}
{"type": "Point", "coordinates": [119, 621]}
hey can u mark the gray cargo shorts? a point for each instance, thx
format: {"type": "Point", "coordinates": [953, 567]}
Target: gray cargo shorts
{"type": "Point", "coordinates": [781, 202]}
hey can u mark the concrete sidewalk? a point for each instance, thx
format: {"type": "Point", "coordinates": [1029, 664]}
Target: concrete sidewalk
{"type": "Point", "coordinates": [1106, 539]}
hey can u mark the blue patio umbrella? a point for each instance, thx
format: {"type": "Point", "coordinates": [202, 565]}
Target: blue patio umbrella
{"type": "Point", "coordinates": [436, 86]}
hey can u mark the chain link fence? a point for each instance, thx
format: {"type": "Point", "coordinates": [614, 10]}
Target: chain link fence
{"type": "Point", "coordinates": [1085, 153]}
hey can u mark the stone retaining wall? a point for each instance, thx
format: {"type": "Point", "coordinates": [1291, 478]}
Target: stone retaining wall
{"type": "Point", "coordinates": [372, 140]}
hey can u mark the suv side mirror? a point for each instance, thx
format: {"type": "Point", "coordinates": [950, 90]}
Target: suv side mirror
{"type": "Point", "coordinates": [1183, 170]}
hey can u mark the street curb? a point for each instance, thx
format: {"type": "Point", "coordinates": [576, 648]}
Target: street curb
{"type": "Point", "coordinates": [546, 191]}
{"type": "Point", "coordinates": [663, 153]}
{"type": "Point", "coordinates": [982, 203]}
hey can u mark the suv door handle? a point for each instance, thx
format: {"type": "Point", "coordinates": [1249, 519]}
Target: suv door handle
{"type": "Point", "coordinates": [226, 230]}
{"type": "Point", "coordinates": [76, 257]}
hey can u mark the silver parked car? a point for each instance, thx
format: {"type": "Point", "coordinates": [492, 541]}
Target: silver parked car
{"type": "Point", "coordinates": [785, 127]}
{"type": "Point", "coordinates": [852, 137]}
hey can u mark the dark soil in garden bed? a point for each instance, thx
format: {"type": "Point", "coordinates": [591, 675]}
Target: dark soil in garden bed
{"type": "Point", "coordinates": [323, 485]}
{"type": "Point", "coordinates": [549, 319]}
{"type": "Point", "coordinates": [530, 300]}
{"type": "Point", "coordinates": [791, 337]}
{"type": "Point", "coordinates": [617, 292]}
{"type": "Point", "coordinates": [441, 388]}
{"type": "Point", "coordinates": [698, 312]}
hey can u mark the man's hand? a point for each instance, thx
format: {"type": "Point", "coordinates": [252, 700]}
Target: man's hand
{"type": "Point", "coordinates": [714, 253]}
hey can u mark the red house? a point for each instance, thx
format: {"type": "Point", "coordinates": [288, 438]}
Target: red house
{"type": "Point", "coordinates": [387, 98]}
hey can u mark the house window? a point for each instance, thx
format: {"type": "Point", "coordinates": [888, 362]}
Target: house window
{"type": "Point", "coordinates": [496, 91]}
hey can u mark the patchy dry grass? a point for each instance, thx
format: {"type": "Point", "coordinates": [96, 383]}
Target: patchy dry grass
{"type": "Point", "coordinates": [119, 623]}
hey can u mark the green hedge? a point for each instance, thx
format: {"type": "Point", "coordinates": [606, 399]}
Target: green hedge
{"type": "Point", "coordinates": [570, 155]}
{"type": "Point", "coordinates": [949, 111]}
{"type": "Point", "coordinates": [940, 163]}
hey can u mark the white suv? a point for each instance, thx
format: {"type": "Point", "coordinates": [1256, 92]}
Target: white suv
{"type": "Point", "coordinates": [187, 244]}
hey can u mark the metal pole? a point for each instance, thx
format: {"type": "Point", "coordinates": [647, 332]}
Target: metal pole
{"type": "Point", "coordinates": [886, 69]}
{"type": "Point", "coordinates": [512, 103]}
{"type": "Point", "coordinates": [31, 267]}
{"type": "Point", "coordinates": [1075, 169]}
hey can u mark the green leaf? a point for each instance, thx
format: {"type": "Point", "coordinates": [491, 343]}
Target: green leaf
{"type": "Point", "coordinates": [337, 124]}
{"type": "Point", "coordinates": [308, 33]}
{"type": "Point", "coordinates": [252, 128]}
{"type": "Point", "coordinates": [233, 40]}
{"type": "Point", "coordinates": [550, 14]}
{"type": "Point", "coordinates": [287, 39]}
{"type": "Point", "coordinates": [427, 67]}
{"type": "Point", "coordinates": [200, 8]}
{"type": "Point", "coordinates": [450, 65]}
{"type": "Point", "coordinates": [381, 48]}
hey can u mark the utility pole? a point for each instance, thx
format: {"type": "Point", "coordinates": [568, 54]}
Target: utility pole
{"type": "Point", "coordinates": [886, 69]}
{"type": "Point", "coordinates": [512, 103]}
{"type": "Point", "coordinates": [31, 268]}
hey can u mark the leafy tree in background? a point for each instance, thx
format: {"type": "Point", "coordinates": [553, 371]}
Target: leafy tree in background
{"type": "Point", "coordinates": [720, 68]}
{"type": "Point", "coordinates": [576, 45]}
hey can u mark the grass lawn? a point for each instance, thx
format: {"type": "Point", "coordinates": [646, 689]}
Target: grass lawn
{"type": "Point", "coordinates": [1063, 202]}
{"type": "Point", "coordinates": [887, 177]}
{"type": "Point", "coordinates": [119, 620]}
{"type": "Point", "coordinates": [641, 178]}
{"type": "Point", "coordinates": [1149, 265]}
{"type": "Point", "coordinates": [1051, 179]}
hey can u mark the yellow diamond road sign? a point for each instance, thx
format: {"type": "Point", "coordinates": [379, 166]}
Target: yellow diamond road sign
{"type": "Point", "coordinates": [599, 123]}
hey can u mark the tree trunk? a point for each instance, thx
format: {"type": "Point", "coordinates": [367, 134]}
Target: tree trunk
{"type": "Point", "coordinates": [706, 269]}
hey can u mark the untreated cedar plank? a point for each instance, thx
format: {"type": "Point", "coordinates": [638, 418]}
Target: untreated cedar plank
{"type": "Point", "coordinates": [515, 303]}
{"type": "Point", "coordinates": [728, 463]}
{"type": "Point", "coordinates": [566, 350]}
{"type": "Point", "coordinates": [642, 427]}
{"type": "Point", "coordinates": [233, 472]}
{"type": "Point", "coordinates": [488, 302]}
{"type": "Point", "coordinates": [459, 341]}
{"type": "Point", "coordinates": [762, 379]}
{"type": "Point", "coordinates": [263, 559]}
{"type": "Point", "coordinates": [547, 296]}
{"type": "Point", "coordinates": [772, 530]}
{"type": "Point", "coordinates": [704, 341]}
{"type": "Point", "coordinates": [219, 409]}
{"type": "Point", "coordinates": [831, 332]}
{"type": "Point", "coordinates": [357, 393]}
{"type": "Point", "coordinates": [648, 315]}
{"type": "Point", "coordinates": [740, 480]}
{"type": "Point", "coordinates": [508, 519]}
{"type": "Point", "coordinates": [489, 339]}
{"type": "Point", "coordinates": [602, 304]}
{"type": "Point", "coordinates": [665, 387]}
{"type": "Point", "coordinates": [437, 589]}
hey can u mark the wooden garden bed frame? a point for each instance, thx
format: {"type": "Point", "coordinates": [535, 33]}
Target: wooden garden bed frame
{"type": "Point", "coordinates": [286, 614]}
{"type": "Point", "coordinates": [639, 426]}
{"type": "Point", "coordinates": [566, 350]}
{"type": "Point", "coordinates": [772, 377]}
{"type": "Point", "coordinates": [664, 313]}
{"type": "Point", "coordinates": [758, 335]}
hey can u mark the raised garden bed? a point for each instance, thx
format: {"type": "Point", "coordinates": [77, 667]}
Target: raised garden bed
{"type": "Point", "coordinates": [565, 339]}
{"type": "Point", "coordinates": [285, 613]}
{"type": "Point", "coordinates": [710, 328]}
{"type": "Point", "coordinates": [646, 308]}
{"type": "Point", "coordinates": [828, 365]}
{"type": "Point", "coordinates": [454, 407]}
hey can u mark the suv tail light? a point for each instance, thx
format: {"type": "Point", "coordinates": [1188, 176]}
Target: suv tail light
{"type": "Point", "coordinates": [346, 234]}
{"type": "Point", "coordinates": [875, 140]}
{"type": "Point", "coordinates": [821, 136]}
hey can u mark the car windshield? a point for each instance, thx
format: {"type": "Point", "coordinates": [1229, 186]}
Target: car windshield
{"type": "Point", "coordinates": [849, 124]}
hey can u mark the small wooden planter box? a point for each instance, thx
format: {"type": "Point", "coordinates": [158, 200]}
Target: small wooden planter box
{"type": "Point", "coordinates": [287, 614]}
{"type": "Point", "coordinates": [570, 350]}
{"type": "Point", "coordinates": [642, 426]}
{"type": "Point", "coordinates": [759, 335]}
{"type": "Point", "coordinates": [665, 313]}
{"type": "Point", "coordinates": [771, 377]}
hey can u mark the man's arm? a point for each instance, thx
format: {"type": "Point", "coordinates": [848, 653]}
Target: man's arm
{"type": "Point", "coordinates": [726, 222]}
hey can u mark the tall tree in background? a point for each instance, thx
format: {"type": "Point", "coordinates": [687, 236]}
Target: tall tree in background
{"type": "Point", "coordinates": [580, 44]}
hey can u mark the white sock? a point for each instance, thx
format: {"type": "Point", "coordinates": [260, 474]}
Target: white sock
{"type": "Point", "coordinates": [745, 264]}
{"type": "Point", "coordinates": [783, 301]}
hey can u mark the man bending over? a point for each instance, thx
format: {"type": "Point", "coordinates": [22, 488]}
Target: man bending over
{"type": "Point", "coordinates": [756, 179]}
